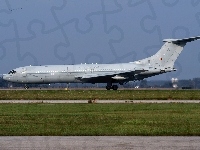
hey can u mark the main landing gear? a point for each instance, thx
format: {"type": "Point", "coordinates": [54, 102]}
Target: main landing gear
{"type": "Point", "coordinates": [110, 86]}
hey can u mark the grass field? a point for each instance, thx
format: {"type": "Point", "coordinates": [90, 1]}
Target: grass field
{"type": "Point", "coordinates": [99, 94]}
{"type": "Point", "coordinates": [100, 119]}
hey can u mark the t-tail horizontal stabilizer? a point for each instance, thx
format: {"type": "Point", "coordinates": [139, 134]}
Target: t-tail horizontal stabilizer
{"type": "Point", "coordinates": [182, 41]}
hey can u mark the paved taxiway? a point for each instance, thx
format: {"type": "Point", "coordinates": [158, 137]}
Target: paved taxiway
{"type": "Point", "coordinates": [99, 142]}
{"type": "Point", "coordinates": [99, 101]}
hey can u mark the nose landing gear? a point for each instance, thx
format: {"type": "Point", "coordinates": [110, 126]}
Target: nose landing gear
{"type": "Point", "coordinates": [26, 87]}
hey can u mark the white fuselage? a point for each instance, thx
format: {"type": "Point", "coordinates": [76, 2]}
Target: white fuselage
{"type": "Point", "coordinates": [74, 73]}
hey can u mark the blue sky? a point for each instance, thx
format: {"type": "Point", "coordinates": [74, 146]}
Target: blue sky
{"type": "Point", "coordinates": [101, 31]}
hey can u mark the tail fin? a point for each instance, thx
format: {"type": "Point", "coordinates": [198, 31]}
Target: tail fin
{"type": "Point", "coordinates": [167, 55]}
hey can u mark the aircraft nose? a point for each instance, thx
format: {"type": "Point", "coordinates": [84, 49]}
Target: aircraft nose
{"type": "Point", "coordinates": [6, 77]}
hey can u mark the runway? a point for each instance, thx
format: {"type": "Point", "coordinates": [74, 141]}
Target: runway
{"type": "Point", "coordinates": [99, 142]}
{"type": "Point", "coordinates": [97, 101]}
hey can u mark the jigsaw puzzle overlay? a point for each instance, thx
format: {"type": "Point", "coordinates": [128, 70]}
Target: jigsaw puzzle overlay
{"type": "Point", "coordinates": [71, 32]}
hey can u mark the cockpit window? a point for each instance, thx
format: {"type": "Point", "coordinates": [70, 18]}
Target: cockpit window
{"type": "Point", "coordinates": [12, 72]}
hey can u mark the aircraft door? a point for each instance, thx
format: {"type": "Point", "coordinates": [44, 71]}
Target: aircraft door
{"type": "Point", "coordinates": [24, 74]}
{"type": "Point", "coordinates": [92, 70]}
{"type": "Point", "coordinates": [86, 70]}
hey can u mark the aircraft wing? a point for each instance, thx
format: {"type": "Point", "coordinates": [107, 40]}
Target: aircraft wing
{"type": "Point", "coordinates": [94, 75]}
{"type": "Point", "coordinates": [142, 76]}
{"type": "Point", "coordinates": [108, 74]}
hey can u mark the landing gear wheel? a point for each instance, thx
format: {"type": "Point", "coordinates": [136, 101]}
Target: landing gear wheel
{"type": "Point", "coordinates": [26, 87]}
{"type": "Point", "coordinates": [108, 87]}
{"type": "Point", "coordinates": [114, 87]}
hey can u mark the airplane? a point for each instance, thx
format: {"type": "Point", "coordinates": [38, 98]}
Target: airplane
{"type": "Point", "coordinates": [112, 74]}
